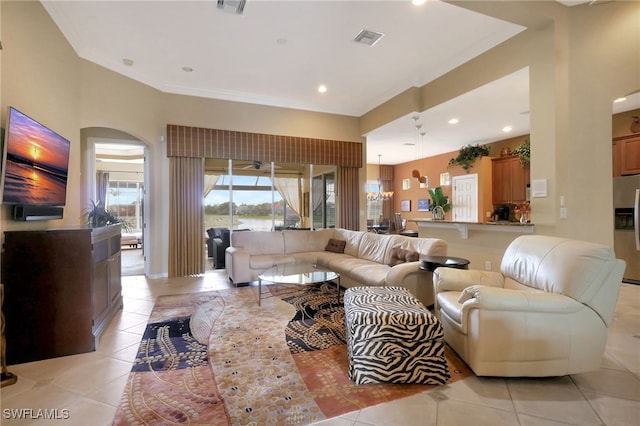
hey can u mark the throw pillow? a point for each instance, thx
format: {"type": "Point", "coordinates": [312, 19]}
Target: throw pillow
{"type": "Point", "coordinates": [336, 246]}
{"type": "Point", "coordinates": [470, 292]}
{"type": "Point", "coordinates": [399, 255]}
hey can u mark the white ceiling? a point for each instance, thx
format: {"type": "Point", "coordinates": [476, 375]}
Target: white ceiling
{"type": "Point", "coordinates": [278, 52]}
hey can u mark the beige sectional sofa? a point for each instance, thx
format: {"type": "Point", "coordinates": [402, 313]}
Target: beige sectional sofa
{"type": "Point", "coordinates": [368, 258]}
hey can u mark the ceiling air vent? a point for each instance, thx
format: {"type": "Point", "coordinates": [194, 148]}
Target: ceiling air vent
{"type": "Point", "coordinates": [232, 6]}
{"type": "Point", "coordinates": [368, 37]}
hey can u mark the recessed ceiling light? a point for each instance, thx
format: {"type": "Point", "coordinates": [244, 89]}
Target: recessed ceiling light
{"type": "Point", "coordinates": [322, 88]}
{"type": "Point", "coordinates": [454, 121]}
{"type": "Point", "coordinates": [507, 129]}
{"type": "Point", "coordinates": [620, 100]}
{"type": "Point", "coordinates": [187, 69]}
{"type": "Point", "coordinates": [128, 62]}
{"type": "Point", "coordinates": [418, 2]}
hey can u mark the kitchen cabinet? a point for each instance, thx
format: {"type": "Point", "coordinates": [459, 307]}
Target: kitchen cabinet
{"type": "Point", "coordinates": [626, 155]}
{"type": "Point", "coordinates": [509, 180]}
{"type": "Point", "coordinates": [62, 287]}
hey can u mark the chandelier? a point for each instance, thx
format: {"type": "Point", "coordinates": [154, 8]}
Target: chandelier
{"type": "Point", "coordinates": [380, 195]}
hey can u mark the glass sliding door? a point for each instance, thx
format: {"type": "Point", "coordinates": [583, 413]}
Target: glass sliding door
{"type": "Point", "coordinates": [324, 200]}
{"type": "Point", "coordinates": [254, 195]}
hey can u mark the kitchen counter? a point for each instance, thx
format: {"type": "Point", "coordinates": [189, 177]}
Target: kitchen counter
{"type": "Point", "coordinates": [465, 227]}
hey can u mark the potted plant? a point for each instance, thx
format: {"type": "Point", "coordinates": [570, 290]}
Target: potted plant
{"type": "Point", "coordinates": [468, 156]}
{"type": "Point", "coordinates": [439, 203]}
{"type": "Point", "coordinates": [523, 151]}
{"type": "Point", "coordinates": [98, 216]}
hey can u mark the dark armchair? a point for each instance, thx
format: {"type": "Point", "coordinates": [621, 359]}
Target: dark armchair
{"type": "Point", "coordinates": [216, 245]}
{"type": "Point", "coordinates": [218, 241]}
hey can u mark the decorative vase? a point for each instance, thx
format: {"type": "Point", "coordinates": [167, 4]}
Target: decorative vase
{"type": "Point", "coordinates": [438, 213]}
{"type": "Point", "coordinates": [524, 218]}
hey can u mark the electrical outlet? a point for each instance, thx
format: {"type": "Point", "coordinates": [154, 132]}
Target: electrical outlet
{"type": "Point", "coordinates": [563, 212]}
{"type": "Point", "coordinates": [487, 265]}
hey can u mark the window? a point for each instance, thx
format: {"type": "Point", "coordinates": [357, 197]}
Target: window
{"type": "Point", "coordinates": [374, 206]}
{"type": "Point", "coordinates": [125, 200]}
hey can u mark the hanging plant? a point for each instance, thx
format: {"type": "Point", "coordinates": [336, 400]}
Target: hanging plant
{"type": "Point", "coordinates": [523, 151]}
{"type": "Point", "coordinates": [468, 156]}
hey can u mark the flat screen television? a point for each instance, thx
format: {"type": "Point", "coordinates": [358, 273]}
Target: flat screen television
{"type": "Point", "coordinates": [35, 164]}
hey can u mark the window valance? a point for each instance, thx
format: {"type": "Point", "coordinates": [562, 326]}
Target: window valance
{"type": "Point", "coordinates": [185, 141]}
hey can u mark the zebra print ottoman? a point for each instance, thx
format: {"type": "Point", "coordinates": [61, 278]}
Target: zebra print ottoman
{"type": "Point", "coordinates": [392, 338]}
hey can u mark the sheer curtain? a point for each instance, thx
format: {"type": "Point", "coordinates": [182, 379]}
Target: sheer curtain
{"type": "Point", "coordinates": [102, 185]}
{"type": "Point", "coordinates": [291, 191]}
{"type": "Point", "coordinates": [186, 217]}
{"type": "Point", "coordinates": [210, 182]}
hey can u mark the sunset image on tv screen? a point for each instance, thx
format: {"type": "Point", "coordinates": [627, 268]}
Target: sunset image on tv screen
{"type": "Point", "coordinates": [37, 161]}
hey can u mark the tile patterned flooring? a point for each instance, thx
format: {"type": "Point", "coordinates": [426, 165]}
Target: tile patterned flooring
{"type": "Point", "coordinates": [88, 387]}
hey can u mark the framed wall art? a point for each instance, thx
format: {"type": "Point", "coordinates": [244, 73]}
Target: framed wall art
{"type": "Point", "coordinates": [405, 205]}
{"type": "Point", "coordinates": [423, 205]}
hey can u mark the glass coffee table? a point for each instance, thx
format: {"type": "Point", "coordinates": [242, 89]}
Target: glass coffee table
{"type": "Point", "coordinates": [297, 274]}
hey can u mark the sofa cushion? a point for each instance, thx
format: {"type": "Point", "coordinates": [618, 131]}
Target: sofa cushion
{"type": "Point", "coordinates": [372, 275]}
{"type": "Point", "coordinates": [400, 255]}
{"type": "Point", "coordinates": [344, 264]}
{"type": "Point", "coordinates": [259, 242]}
{"type": "Point", "coordinates": [303, 241]}
{"type": "Point", "coordinates": [351, 237]}
{"type": "Point", "coordinates": [324, 258]}
{"type": "Point", "coordinates": [430, 246]}
{"type": "Point", "coordinates": [374, 247]}
{"type": "Point", "coordinates": [335, 245]}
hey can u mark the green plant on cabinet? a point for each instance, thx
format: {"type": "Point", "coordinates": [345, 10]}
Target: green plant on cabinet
{"type": "Point", "coordinates": [468, 155]}
{"type": "Point", "coordinates": [98, 216]}
{"type": "Point", "coordinates": [439, 203]}
{"type": "Point", "coordinates": [523, 151]}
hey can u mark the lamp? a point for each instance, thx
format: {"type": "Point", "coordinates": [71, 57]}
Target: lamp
{"type": "Point", "coordinates": [415, 172]}
{"type": "Point", "coordinates": [380, 195]}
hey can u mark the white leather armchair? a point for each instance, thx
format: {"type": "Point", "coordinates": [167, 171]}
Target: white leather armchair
{"type": "Point", "coordinates": [545, 313]}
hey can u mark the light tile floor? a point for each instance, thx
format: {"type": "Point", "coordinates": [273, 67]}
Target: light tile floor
{"type": "Point", "coordinates": [86, 388]}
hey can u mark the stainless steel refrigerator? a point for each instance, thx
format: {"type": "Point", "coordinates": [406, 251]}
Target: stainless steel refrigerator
{"type": "Point", "coordinates": [626, 234]}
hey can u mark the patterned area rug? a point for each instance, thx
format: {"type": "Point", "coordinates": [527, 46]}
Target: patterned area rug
{"type": "Point", "coordinates": [217, 358]}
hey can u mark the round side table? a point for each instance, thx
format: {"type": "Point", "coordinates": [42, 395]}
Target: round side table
{"type": "Point", "coordinates": [430, 263]}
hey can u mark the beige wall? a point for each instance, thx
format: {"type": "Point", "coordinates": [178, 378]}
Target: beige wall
{"type": "Point", "coordinates": [27, 84]}
{"type": "Point", "coordinates": [43, 77]}
{"type": "Point", "coordinates": [580, 59]}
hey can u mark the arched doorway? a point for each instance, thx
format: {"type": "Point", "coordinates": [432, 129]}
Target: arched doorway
{"type": "Point", "coordinates": [115, 175]}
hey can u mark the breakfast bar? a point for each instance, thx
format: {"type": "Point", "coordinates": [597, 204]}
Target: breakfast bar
{"type": "Point", "coordinates": [465, 227]}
